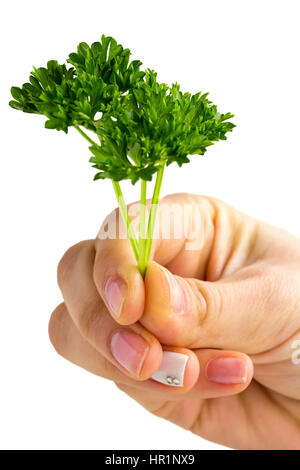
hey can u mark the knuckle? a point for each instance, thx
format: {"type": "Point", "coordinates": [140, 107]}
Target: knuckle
{"type": "Point", "coordinates": [280, 290]}
{"type": "Point", "coordinates": [110, 226]}
{"type": "Point", "coordinates": [209, 300]}
{"type": "Point", "coordinates": [122, 386]}
{"type": "Point", "coordinates": [90, 321]}
{"type": "Point", "coordinates": [207, 305]}
{"type": "Point", "coordinates": [108, 370]}
{"type": "Point", "coordinates": [215, 301]}
{"type": "Point", "coordinates": [56, 328]}
{"type": "Point", "coordinates": [67, 262]}
{"type": "Point", "coordinates": [113, 228]}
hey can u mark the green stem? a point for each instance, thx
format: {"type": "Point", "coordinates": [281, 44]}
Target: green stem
{"type": "Point", "coordinates": [142, 248]}
{"type": "Point", "coordinates": [85, 135]}
{"type": "Point", "coordinates": [142, 234]}
{"type": "Point", "coordinates": [152, 216]}
{"type": "Point", "coordinates": [126, 218]}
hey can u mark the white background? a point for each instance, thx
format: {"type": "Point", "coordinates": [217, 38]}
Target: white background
{"type": "Point", "coordinates": [246, 54]}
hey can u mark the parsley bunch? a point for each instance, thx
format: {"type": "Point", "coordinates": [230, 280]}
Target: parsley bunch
{"type": "Point", "coordinates": [140, 125]}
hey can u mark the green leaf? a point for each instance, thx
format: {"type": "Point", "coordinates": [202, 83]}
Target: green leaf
{"type": "Point", "coordinates": [15, 105]}
{"type": "Point", "coordinates": [52, 124]}
{"type": "Point", "coordinates": [142, 120]}
{"type": "Point", "coordinates": [16, 93]}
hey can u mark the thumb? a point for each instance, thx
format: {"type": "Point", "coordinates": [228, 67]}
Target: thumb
{"type": "Point", "coordinates": [116, 274]}
{"type": "Point", "coordinates": [225, 314]}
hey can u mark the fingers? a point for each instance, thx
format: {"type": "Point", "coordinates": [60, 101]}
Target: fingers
{"type": "Point", "coordinates": [134, 350]}
{"type": "Point", "coordinates": [202, 374]}
{"type": "Point", "coordinates": [117, 276]}
{"type": "Point", "coordinates": [116, 273]}
{"type": "Point", "coordinates": [223, 372]}
{"type": "Point", "coordinates": [69, 343]}
{"type": "Point", "coordinates": [218, 294]}
{"type": "Point", "coordinates": [221, 293]}
{"type": "Point", "coordinates": [174, 363]}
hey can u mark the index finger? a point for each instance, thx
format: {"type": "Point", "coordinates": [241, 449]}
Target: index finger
{"type": "Point", "coordinates": [117, 277]}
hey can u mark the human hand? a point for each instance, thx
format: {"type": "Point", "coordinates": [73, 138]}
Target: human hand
{"type": "Point", "coordinates": [229, 304]}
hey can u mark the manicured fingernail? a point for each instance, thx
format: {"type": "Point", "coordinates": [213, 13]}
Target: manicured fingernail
{"type": "Point", "coordinates": [227, 370]}
{"type": "Point", "coordinates": [130, 350]}
{"type": "Point", "coordinates": [171, 371]}
{"type": "Point", "coordinates": [115, 292]}
{"type": "Point", "coordinates": [177, 293]}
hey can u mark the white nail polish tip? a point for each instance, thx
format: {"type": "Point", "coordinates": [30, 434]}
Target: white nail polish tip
{"type": "Point", "coordinates": [171, 371]}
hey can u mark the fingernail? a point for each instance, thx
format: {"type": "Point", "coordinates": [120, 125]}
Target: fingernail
{"type": "Point", "coordinates": [172, 368]}
{"type": "Point", "coordinates": [227, 370]}
{"type": "Point", "coordinates": [115, 292]}
{"type": "Point", "coordinates": [177, 293]}
{"type": "Point", "coordinates": [130, 350]}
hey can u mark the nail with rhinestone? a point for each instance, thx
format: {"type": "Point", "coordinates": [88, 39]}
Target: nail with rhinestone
{"type": "Point", "coordinates": [172, 368]}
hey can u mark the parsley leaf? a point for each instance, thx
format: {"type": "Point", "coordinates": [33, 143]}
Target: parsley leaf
{"type": "Point", "coordinates": [140, 125]}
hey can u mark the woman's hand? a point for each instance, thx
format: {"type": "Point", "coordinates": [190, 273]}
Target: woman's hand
{"type": "Point", "coordinates": [224, 297]}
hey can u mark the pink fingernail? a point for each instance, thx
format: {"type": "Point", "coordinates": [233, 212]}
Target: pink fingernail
{"type": "Point", "coordinates": [130, 350]}
{"type": "Point", "coordinates": [227, 370]}
{"type": "Point", "coordinates": [178, 295]}
{"type": "Point", "coordinates": [115, 292]}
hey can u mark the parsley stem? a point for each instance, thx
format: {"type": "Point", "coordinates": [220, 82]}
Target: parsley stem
{"type": "Point", "coordinates": [126, 219]}
{"type": "Point", "coordinates": [152, 216]}
{"type": "Point", "coordinates": [85, 135]}
{"type": "Point", "coordinates": [142, 239]}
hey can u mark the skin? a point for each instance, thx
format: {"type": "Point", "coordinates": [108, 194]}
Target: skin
{"type": "Point", "coordinates": [242, 299]}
